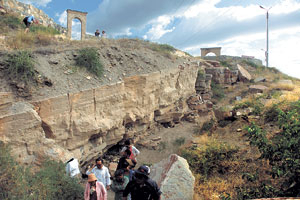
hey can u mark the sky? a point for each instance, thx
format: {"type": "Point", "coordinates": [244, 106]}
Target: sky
{"type": "Point", "coordinates": [238, 26]}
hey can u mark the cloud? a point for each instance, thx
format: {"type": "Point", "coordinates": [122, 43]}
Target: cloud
{"type": "Point", "coordinates": [117, 16]}
{"type": "Point", "coordinates": [38, 3]}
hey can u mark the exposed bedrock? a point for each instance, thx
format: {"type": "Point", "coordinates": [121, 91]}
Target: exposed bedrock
{"type": "Point", "coordinates": [85, 123]}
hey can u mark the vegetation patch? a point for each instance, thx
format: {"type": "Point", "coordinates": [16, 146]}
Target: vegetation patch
{"type": "Point", "coordinates": [10, 21]}
{"type": "Point", "coordinates": [211, 159]}
{"type": "Point", "coordinates": [50, 182]}
{"type": "Point", "coordinates": [163, 49]}
{"type": "Point", "coordinates": [179, 141]}
{"type": "Point", "coordinates": [89, 59]}
{"type": "Point", "coordinates": [218, 91]}
{"type": "Point", "coordinates": [20, 66]}
{"type": "Point", "coordinates": [282, 151]}
{"type": "Point", "coordinates": [226, 64]}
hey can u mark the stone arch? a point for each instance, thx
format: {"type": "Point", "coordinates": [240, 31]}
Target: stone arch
{"type": "Point", "coordinates": [81, 16]}
{"type": "Point", "coordinates": [215, 50]}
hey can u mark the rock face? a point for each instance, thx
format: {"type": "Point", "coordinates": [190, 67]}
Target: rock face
{"type": "Point", "coordinates": [222, 75]}
{"type": "Point", "coordinates": [174, 178]}
{"type": "Point", "coordinates": [257, 88]}
{"type": "Point", "coordinates": [85, 123]}
{"type": "Point", "coordinates": [26, 9]}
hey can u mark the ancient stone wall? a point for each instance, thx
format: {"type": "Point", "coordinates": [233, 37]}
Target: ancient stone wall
{"type": "Point", "coordinates": [86, 123]}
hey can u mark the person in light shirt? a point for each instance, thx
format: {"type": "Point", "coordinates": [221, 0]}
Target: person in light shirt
{"type": "Point", "coordinates": [72, 168]}
{"type": "Point", "coordinates": [101, 172]}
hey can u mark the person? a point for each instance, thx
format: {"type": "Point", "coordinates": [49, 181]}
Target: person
{"type": "Point", "coordinates": [104, 34]}
{"type": "Point", "coordinates": [142, 187]}
{"type": "Point", "coordinates": [101, 172]}
{"type": "Point", "coordinates": [119, 183]}
{"type": "Point", "coordinates": [28, 20]}
{"type": "Point", "coordinates": [72, 167]}
{"type": "Point", "coordinates": [94, 190]}
{"type": "Point", "coordinates": [122, 164]}
{"type": "Point", "coordinates": [129, 170]}
{"type": "Point", "coordinates": [97, 33]}
{"type": "Point", "coordinates": [134, 151]}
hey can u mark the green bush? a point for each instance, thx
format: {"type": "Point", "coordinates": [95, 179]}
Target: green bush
{"type": "Point", "coordinates": [218, 91]}
{"type": "Point", "coordinates": [272, 113]}
{"type": "Point", "coordinates": [51, 182]}
{"type": "Point", "coordinates": [21, 66]}
{"type": "Point", "coordinates": [281, 150]}
{"type": "Point", "coordinates": [210, 160]}
{"type": "Point", "coordinates": [254, 103]}
{"type": "Point", "coordinates": [226, 64]}
{"type": "Point", "coordinates": [89, 59]}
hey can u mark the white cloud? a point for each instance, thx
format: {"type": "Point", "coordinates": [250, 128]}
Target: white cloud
{"type": "Point", "coordinates": [62, 18]}
{"type": "Point", "coordinates": [159, 27]}
{"type": "Point", "coordinates": [42, 3]}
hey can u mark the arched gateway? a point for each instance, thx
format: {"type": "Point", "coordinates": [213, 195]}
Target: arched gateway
{"type": "Point", "coordinates": [215, 50]}
{"type": "Point", "coordinates": [81, 16]}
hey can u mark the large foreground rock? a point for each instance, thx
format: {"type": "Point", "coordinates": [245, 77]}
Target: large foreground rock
{"type": "Point", "coordinates": [244, 75]}
{"type": "Point", "coordinates": [174, 178]}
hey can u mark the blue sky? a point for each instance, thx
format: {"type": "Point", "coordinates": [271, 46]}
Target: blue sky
{"type": "Point", "coordinates": [238, 26]}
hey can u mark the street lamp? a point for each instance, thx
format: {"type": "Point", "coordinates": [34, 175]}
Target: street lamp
{"type": "Point", "coordinates": [267, 51]}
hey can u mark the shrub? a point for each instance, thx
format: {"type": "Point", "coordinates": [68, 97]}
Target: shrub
{"type": "Point", "coordinates": [281, 150]}
{"type": "Point", "coordinates": [89, 59]}
{"type": "Point", "coordinates": [209, 160]}
{"type": "Point", "coordinates": [10, 21]}
{"type": "Point", "coordinates": [164, 49]}
{"type": "Point", "coordinates": [218, 91]}
{"type": "Point", "coordinates": [162, 146]}
{"type": "Point", "coordinates": [252, 103]}
{"type": "Point", "coordinates": [21, 66]}
{"type": "Point", "coordinates": [51, 182]}
{"type": "Point", "coordinates": [272, 113]}
{"type": "Point", "coordinates": [226, 64]}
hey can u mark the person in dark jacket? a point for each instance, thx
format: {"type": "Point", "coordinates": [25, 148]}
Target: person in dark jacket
{"type": "Point", "coordinates": [123, 164]}
{"type": "Point", "coordinates": [142, 187]}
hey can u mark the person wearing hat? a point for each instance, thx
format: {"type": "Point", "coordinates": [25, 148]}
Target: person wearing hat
{"type": "Point", "coordinates": [142, 187]}
{"type": "Point", "coordinates": [119, 183]}
{"type": "Point", "coordinates": [94, 190]}
{"type": "Point", "coordinates": [101, 173]}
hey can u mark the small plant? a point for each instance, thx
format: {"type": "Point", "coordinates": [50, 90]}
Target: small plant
{"type": "Point", "coordinates": [272, 113]}
{"type": "Point", "coordinates": [179, 141]}
{"type": "Point", "coordinates": [21, 66]}
{"type": "Point", "coordinates": [44, 30]}
{"type": "Point", "coordinates": [89, 59]}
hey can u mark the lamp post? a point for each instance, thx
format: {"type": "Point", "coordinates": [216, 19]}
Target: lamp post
{"type": "Point", "coordinates": [267, 49]}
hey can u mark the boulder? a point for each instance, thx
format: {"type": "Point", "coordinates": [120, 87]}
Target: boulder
{"type": "Point", "coordinates": [257, 88]}
{"type": "Point", "coordinates": [244, 75]}
{"type": "Point", "coordinates": [259, 79]}
{"type": "Point", "coordinates": [285, 82]}
{"type": "Point", "coordinates": [174, 178]}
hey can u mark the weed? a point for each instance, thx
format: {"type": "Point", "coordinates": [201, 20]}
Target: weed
{"type": "Point", "coordinates": [163, 49]}
{"type": "Point", "coordinates": [21, 66]}
{"type": "Point", "coordinates": [89, 59]}
{"type": "Point", "coordinates": [10, 21]}
{"type": "Point", "coordinates": [44, 30]}
{"type": "Point", "coordinates": [179, 141]}
{"type": "Point", "coordinates": [272, 113]}
{"type": "Point", "coordinates": [201, 73]}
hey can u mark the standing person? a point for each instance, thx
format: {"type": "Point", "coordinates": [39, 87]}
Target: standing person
{"type": "Point", "coordinates": [28, 20]}
{"type": "Point", "coordinates": [97, 33]}
{"type": "Point", "coordinates": [122, 164]}
{"type": "Point", "coordinates": [104, 34]}
{"type": "Point", "coordinates": [119, 183]}
{"type": "Point", "coordinates": [72, 167]}
{"type": "Point", "coordinates": [134, 151]}
{"type": "Point", "coordinates": [101, 172]}
{"type": "Point", "coordinates": [142, 187]}
{"type": "Point", "coordinates": [94, 190]}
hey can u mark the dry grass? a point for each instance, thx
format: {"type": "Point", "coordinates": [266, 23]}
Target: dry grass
{"type": "Point", "coordinates": [283, 86]}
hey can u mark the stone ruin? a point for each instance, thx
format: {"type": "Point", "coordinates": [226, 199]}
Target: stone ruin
{"type": "Point", "coordinates": [81, 16]}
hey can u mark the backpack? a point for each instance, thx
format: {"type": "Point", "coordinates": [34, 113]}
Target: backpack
{"type": "Point", "coordinates": [25, 19]}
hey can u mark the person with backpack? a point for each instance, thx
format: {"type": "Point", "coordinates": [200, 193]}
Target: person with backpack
{"type": "Point", "coordinates": [28, 20]}
{"type": "Point", "coordinates": [134, 151]}
{"type": "Point", "coordinates": [142, 187]}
